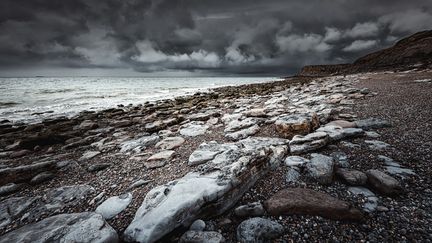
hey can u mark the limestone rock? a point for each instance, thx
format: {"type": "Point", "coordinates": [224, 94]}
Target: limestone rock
{"type": "Point", "coordinates": [298, 124]}
{"type": "Point", "coordinates": [313, 141]}
{"type": "Point", "coordinates": [170, 143]}
{"type": "Point", "coordinates": [114, 205]}
{"type": "Point", "coordinates": [337, 133]}
{"type": "Point", "coordinates": [242, 134]}
{"type": "Point", "coordinates": [377, 145]}
{"type": "Point", "coordinates": [138, 144]}
{"type": "Point", "coordinates": [309, 202]}
{"type": "Point", "coordinates": [89, 155]}
{"type": "Point", "coordinates": [25, 172]}
{"type": "Point", "coordinates": [88, 125]}
{"type": "Point", "coordinates": [194, 129]}
{"type": "Point", "coordinates": [162, 155]}
{"type": "Point", "coordinates": [236, 125]}
{"type": "Point", "coordinates": [42, 177]}
{"type": "Point", "coordinates": [342, 123]}
{"type": "Point", "coordinates": [296, 161]}
{"type": "Point", "coordinates": [258, 230]}
{"type": "Point", "coordinates": [10, 188]}
{"type": "Point", "coordinates": [258, 112]}
{"type": "Point", "coordinates": [78, 227]}
{"type": "Point", "coordinates": [372, 123]}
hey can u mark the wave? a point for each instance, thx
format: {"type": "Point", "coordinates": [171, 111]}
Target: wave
{"type": "Point", "coordinates": [54, 91]}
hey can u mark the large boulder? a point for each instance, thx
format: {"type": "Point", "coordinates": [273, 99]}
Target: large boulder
{"type": "Point", "coordinates": [297, 124]}
{"type": "Point", "coordinates": [77, 227]}
{"type": "Point", "coordinates": [258, 230]}
{"type": "Point", "coordinates": [309, 202]}
{"type": "Point", "coordinates": [210, 189]}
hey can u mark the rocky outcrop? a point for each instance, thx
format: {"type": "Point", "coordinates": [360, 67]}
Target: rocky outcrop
{"type": "Point", "coordinates": [79, 227]}
{"type": "Point", "coordinates": [209, 190]}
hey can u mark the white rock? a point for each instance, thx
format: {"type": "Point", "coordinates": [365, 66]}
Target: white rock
{"type": "Point", "coordinates": [244, 133]}
{"type": "Point", "coordinates": [138, 144]}
{"type": "Point", "coordinates": [163, 155]}
{"type": "Point", "coordinates": [296, 161]}
{"type": "Point", "coordinates": [194, 129]}
{"type": "Point", "coordinates": [114, 205]}
{"type": "Point", "coordinates": [170, 143]}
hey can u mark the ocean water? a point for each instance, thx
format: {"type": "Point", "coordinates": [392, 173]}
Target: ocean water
{"type": "Point", "coordinates": [34, 99]}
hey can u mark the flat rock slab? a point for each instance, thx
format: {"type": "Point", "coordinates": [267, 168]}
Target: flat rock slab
{"type": "Point", "coordinates": [304, 144]}
{"type": "Point", "coordinates": [162, 155]}
{"type": "Point", "coordinates": [170, 143]}
{"type": "Point", "coordinates": [114, 205]}
{"type": "Point", "coordinates": [372, 123]}
{"type": "Point", "coordinates": [25, 172]}
{"type": "Point", "coordinates": [236, 125]}
{"type": "Point", "coordinates": [78, 227]}
{"type": "Point", "coordinates": [309, 202]}
{"type": "Point", "coordinates": [258, 230]}
{"type": "Point", "coordinates": [244, 133]}
{"type": "Point", "coordinates": [210, 189]}
{"type": "Point", "coordinates": [137, 145]}
{"type": "Point", "coordinates": [383, 183]}
{"type": "Point", "coordinates": [194, 129]}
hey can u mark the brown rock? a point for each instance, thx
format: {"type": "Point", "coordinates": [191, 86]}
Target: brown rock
{"type": "Point", "coordinates": [309, 202]}
{"type": "Point", "coordinates": [352, 177]}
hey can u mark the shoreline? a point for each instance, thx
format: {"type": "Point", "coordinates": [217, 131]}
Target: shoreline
{"type": "Point", "coordinates": [228, 115]}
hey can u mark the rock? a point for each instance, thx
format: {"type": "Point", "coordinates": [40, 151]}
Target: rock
{"type": "Point", "coordinates": [197, 225]}
{"type": "Point", "coordinates": [337, 133]}
{"type": "Point", "coordinates": [298, 124]}
{"type": "Point", "coordinates": [258, 230]}
{"type": "Point", "coordinates": [19, 153]}
{"type": "Point", "coordinates": [236, 125]}
{"type": "Point", "coordinates": [139, 183]}
{"type": "Point", "coordinates": [304, 144]}
{"type": "Point", "coordinates": [121, 123]}
{"type": "Point", "coordinates": [78, 227]}
{"type": "Point", "coordinates": [372, 134]}
{"type": "Point", "coordinates": [154, 126]}
{"type": "Point", "coordinates": [89, 155]}
{"type": "Point", "coordinates": [139, 144]}
{"type": "Point", "coordinates": [342, 124]}
{"type": "Point", "coordinates": [352, 177]}
{"type": "Point", "coordinates": [25, 172]}
{"type": "Point", "coordinates": [192, 236]}
{"type": "Point", "coordinates": [383, 183]}
{"type": "Point", "coordinates": [292, 175]}
{"type": "Point", "coordinates": [163, 155]}
{"type": "Point", "coordinates": [98, 167]}
{"type": "Point", "coordinates": [399, 171]}
{"type": "Point", "coordinates": [114, 205]}
{"type": "Point", "coordinates": [10, 188]}
{"type": "Point", "coordinates": [321, 168]}
{"type": "Point", "coordinates": [42, 177]}
{"type": "Point", "coordinates": [372, 201]}
{"type": "Point", "coordinates": [258, 112]}
{"type": "Point", "coordinates": [250, 210]}
{"type": "Point", "coordinates": [309, 202]}
{"type": "Point", "coordinates": [242, 134]}
{"type": "Point", "coordinates": [88, 125]}
{"type": "Point", "coordinates": [208, 151]}
{"type": "Point", "coordinates": [349, 145]}
{"type": "Point", "coordinates": [170, 143]}
{"type": "Point", "coordinates": [377, 145]}
{"type": "Point", "coordinates": [13, 208]}
{"type": "Point", "coordinates": [67, 195]}
{"type": "Point", "coordinates": [194, 129]}
{"type": "Point", "coordinates": [218, 184]}
{"type": "Point", "coordinates": [341, 159]}
{"type": "Point", "coordinates": [296, 161]}
{"type": "Point", "coordinates": [372, 123]}
{"type": "Point", "coordinates": [203, 116]}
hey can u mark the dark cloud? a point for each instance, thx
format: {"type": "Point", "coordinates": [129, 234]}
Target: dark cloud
{"type": "Point", "coordinates": [224, 36]}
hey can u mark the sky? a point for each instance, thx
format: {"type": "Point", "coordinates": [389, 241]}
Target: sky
{"type": "Point", "coordinates": [197, 37]}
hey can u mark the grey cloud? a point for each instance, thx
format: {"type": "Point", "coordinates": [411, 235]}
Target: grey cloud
{"type": "Point", "coordinates": [225, 37]}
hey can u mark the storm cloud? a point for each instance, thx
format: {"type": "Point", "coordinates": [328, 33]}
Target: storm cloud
{"type": "Point", "coordinates": [273, 37]}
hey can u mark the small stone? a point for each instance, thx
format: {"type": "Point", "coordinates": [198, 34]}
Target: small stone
{"type": "Point", "coordinates": [198, 225]}
{"type": "Point", "coordinates": [202, 237]}
{"type": "Point", "coordinates": [163, 155]}
{"type": "Point", "coordinates": [352, 177]}
{"type": "Point", "coordinates": [296, 161]}
{"type": "Point", "coordinates": [89, 155]}
{"type": "Point", "coordinates": [42, 177]}
{"type": "Point", "coordinates": [250, 210]}
{"type": "Point", "coordinates": [292, 175]}
{"type": "Point", "coordinates": [114, 205]}
{"type": "Point", "coordinates": [98, 167]}
{"type": "Point", "coordinates": [321, 168]}
{"type": "Point", "coordinates": [258, 230]}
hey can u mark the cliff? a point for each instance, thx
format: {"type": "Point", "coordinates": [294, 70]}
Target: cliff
{"type": "Point", "coordinates": [413, 51]}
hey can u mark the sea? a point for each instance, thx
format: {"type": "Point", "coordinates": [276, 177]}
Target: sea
{"type": "Point", "coordinates": [33, 99]}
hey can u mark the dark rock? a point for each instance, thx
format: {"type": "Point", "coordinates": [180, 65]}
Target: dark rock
{"type": "Point", "coordinates": [258, 230]}
{"type": "Point", "coordinates": [306, 201]}
{"type": "Point", "coordinates": [25, 172]}
{"type": "Point", "coordinates": [98, 167]}
{"type": "Point", "coordinates": [352, 177]}
{"type": "Point", "coordinates": [42, 177]}
{"type": "Point", "coordinates": [321, 168]}
{"type": "Point", "coordinates": [10, 188]}
{"type": "Point", "coordinates": [372, 123]}
{"type": "Point", "coordinates": [198, 225]}
{"type": "Point", "coordinates": [383, 183]}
